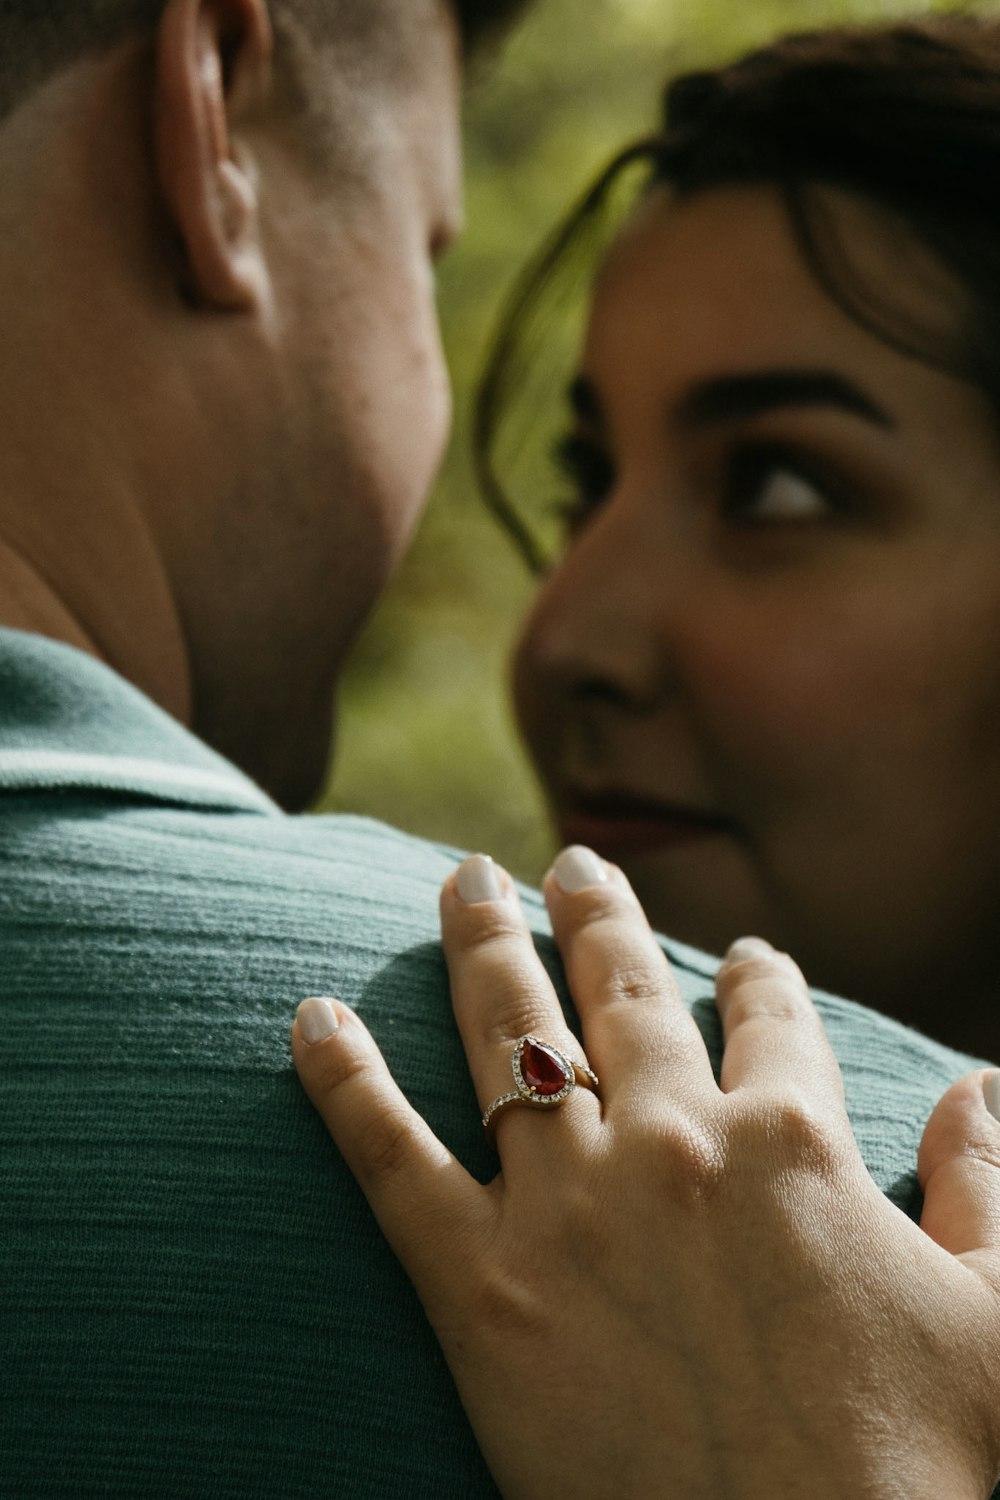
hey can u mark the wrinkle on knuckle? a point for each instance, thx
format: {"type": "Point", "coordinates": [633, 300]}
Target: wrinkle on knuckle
{"type": "Point", "coordinates": [504, 1302]}
{"type": "Point", "coordinates": [988, 1270]}
{"type": "Point", "coordinates": [585, 1209]}
{"type": "Point", "coordinates": [605, 933]}
{"type": "Point", "coordinates": [341, 1066]}
{"type": "Point", "coordinates": [601, 904]}
{"type": "Point", "coordinates": [492, 927]}
{"type": "Point", "coordinates": [690, 1162]}
{"type": "Point", "coordinates": [774, 999]}
{"type": "Point", "coordinates": [514, 1014]}
{"type": "Point", "coordinates": [791, 1133]}
{"type": "Point", "coordinates": [636, 985]}
{"type": "Point", "coordinates": [386, 1145]}
{"type": "Point", "coordinates": [982, 1151]}
{"type": "Point", "coordinates": [759, 968]}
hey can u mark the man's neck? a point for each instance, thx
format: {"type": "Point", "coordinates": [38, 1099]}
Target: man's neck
{"type": "Point", "coordinates": [85, 419]}
{"type": "Point", "coordinates": [151, 659]}
{"type": "Point", "coordinates": [27, 603]}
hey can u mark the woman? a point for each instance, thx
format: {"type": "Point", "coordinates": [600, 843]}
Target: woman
{"type": "Point", "coordinates": [764, 677]}
{"type": "Point", "coordinates": [678, 1289]}
{"type": "Point", "coordinates": [786, 591]}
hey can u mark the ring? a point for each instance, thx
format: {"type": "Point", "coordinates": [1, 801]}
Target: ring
{"type": "Point", "coordinates": [543, 1077]}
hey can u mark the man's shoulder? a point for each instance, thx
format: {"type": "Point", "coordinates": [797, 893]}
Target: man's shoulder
{"type": "Point", "coordinates": [285, 906]}
{"type": "Point", "coordinates": [188, 1257]}
{"type": "Point", "coordinates": [193, 839]}
{"type": "Point", "coordinates": [60, 851]}
{"type": "Point", "coordinates": [272, 905]}
{"type": "Point", "coordinates": [163, 1158]}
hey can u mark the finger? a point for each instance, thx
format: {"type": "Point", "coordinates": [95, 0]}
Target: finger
{"type": "Point", "coordinates": [959, 1166]}
{"type": "Point", "coordinates": [774, 1039]}
{"type": "Point", "coordinates": [424, 1200]}
{"type": "Point", "coordinates": [501, 993]}
{"type": "Point", "coordinates": [638, 1031]}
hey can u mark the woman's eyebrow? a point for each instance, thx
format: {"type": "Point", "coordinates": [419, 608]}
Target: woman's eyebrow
{"type": "Point", "coordinates": [732, 398]}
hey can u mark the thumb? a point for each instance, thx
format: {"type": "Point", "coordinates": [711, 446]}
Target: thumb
{"type": "Point", "coordinates": [959, 1168]}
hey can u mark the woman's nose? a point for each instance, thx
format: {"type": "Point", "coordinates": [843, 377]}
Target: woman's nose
{"type": "Point", "coordinates": [599, 632]}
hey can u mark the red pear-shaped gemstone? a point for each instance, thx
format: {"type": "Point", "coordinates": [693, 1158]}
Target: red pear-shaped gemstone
{"type": "Point", "coordinates": [541, 1069]}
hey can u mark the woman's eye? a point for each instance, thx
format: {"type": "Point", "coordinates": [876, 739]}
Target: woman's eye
{"type": "Point", "coordinates": [769, 488]}
{"type": "Point", "coordinates": [588, 471]}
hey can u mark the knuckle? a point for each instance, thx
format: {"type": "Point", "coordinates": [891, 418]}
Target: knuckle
{"type": "Point", "coordinates": [690, 1160]}
{"type": "Point", "coordinates": [506, 1303]}
{"type": "Point", "coordinates": [504, 968]}
{"type": "Point", "coordinates": [339, 1066]}
{"type": "Point", "coordinates": [626, 964]}
{"type": "Point", "coordinates": [516, 1010]}
{"type": "Point", "coordinates": [489, 925]}
{"type": "Point", "coordinates": [608, 933]}
{"type": "Point", "coordinates": [756, 996]}
{"type": "Point", "coordinates": [791, 1133]}
{"type": "Point", "coordinates": [606, 926]}
{"type": "Point", "coordinates": [763, 967]}
{"type": "Point", "coordinates": [636, 985]}
{"type": "Point", "coordinates": [600, 902]}
{"type": "Point", "coordinates": [985, 1152]}
{"type": "Point", "coordinates": [385, 1142]}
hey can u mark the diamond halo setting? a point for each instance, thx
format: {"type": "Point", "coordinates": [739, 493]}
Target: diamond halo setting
{"type": "Point", "coordinates": [543, 1077]}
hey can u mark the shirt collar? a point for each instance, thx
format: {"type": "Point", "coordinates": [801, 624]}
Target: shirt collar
{"type": "Point", "coordinates": [68, 722]}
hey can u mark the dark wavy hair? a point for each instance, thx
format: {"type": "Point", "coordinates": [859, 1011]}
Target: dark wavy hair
{"type": "Point", "coordinates": [907, 117]}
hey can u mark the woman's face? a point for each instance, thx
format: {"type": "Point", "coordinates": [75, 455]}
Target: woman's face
{"type": "Point", "coordinates": [765, 677]}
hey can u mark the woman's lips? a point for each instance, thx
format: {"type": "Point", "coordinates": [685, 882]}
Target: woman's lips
{"type": "Point", "coordinates": [617, 826]}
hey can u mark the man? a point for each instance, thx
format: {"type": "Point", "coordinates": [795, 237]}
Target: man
{"type": "Point", "coordinates": [225, 403]}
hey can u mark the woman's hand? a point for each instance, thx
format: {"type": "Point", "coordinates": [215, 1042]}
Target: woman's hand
{"type": "Point", "coordinates": [678, 1288]}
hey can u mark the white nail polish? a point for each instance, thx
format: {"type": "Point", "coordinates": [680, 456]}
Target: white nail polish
{"type": "Point", "coordinates": [577, 869]}
{"type": "Point", "coordinates": [991, 1093]}
{"type": "Point", "coordinates": [478, 879]}
{"type": "Point", "coordinates": [749, 947]}
{"type": "Point", "coordinates": [317, 1020]}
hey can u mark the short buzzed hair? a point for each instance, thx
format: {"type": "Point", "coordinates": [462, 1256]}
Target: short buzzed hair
{"type": "Point", "coordinates": [38, 38]}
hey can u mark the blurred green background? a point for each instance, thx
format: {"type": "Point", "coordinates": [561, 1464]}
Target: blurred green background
{"type": "Point", "coordinates": [426, 736]}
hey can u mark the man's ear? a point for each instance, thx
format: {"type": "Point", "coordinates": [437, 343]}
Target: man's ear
{"type": "Point", "coordinates": [212, 63]}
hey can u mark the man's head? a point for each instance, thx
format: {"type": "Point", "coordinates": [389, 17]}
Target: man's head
{"type": "Point", "coordinates": [222, 366]}
{"type": "Point", "coordinates": [37, 41]}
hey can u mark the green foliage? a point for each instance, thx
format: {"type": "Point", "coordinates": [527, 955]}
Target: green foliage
{"type": "Point", "coordinates": [427, 740]}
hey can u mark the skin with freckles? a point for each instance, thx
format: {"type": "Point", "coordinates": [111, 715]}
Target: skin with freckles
{"type": "Point", "coordinates": [765, 676]}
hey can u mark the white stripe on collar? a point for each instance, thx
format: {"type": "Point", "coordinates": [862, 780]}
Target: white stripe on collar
{"type": "Point", "coordinates": [39, 768]}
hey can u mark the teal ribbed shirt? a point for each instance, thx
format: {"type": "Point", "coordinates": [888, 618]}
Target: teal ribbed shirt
{"type": "Point", "coordinates": [194, 1299]}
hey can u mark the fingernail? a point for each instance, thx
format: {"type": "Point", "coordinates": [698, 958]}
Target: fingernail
{"type": "Point", "coordinates": [991, 1093]}
{"type": "Point", "coordinates": [577, 869]}
{"type": "Point", "coordinates": [317, 1020]}
{"type": "Point", "coordinates": [478, 879]}
{"type": "Point", "coordinates": [749, 947]}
